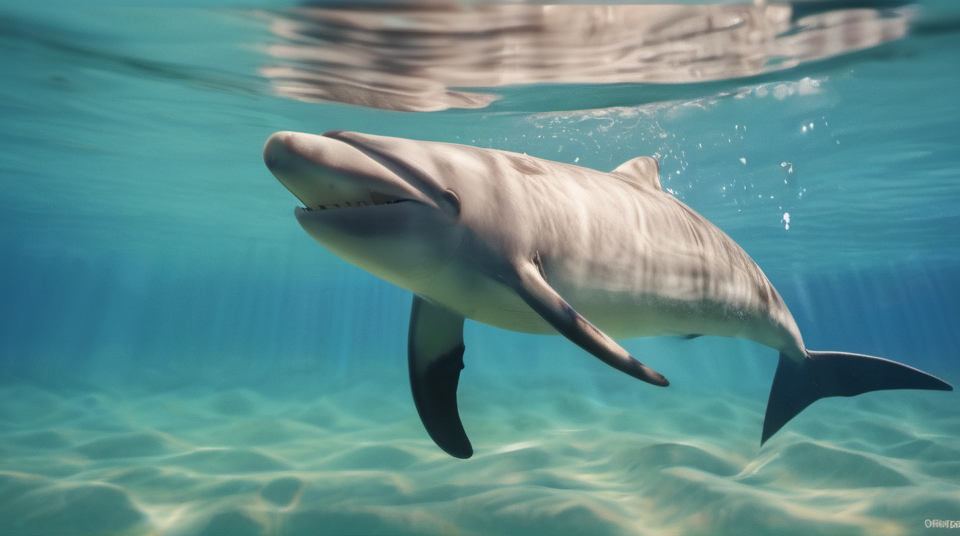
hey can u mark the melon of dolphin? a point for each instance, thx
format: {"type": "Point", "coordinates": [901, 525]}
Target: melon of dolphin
{"type": "Point", "coordinates": [537, 246]}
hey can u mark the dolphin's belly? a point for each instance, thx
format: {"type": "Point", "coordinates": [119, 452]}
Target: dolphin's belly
{"type": "Point", "coordinates": [620, 315]}
{"type": "Point", "coordinates": [621, 312]}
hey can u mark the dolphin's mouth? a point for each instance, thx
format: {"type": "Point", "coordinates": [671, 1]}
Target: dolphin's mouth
{"type": "Point", "coordinates": [374, 199]}
{"type": "Point", "coordinates": [326, 173]}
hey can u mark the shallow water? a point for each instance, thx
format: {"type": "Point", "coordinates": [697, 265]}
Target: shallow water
{"type": "Point", "coordinates": [178, 357]}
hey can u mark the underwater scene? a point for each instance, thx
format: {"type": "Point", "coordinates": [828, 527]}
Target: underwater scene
{"type": "Point", "coordinates": [201, 335]}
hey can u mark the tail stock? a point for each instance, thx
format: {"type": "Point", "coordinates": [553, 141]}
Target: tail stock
{"type": "Point", "coordinates": [822, 374]}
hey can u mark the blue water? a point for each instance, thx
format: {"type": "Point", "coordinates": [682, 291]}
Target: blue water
{"type": "Point", "coordinates": [178, 357]}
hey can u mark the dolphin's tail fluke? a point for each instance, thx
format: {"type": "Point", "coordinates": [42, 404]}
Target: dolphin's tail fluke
{"type": "Point", "coordinates": [822, 374]}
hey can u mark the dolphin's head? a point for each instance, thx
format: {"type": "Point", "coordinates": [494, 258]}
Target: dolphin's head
{"type": "Point", "coordinates": [366, 206]}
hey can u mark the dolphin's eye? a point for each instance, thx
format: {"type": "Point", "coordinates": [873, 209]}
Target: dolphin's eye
{"type": "Point", "coordinates": [453, 201]}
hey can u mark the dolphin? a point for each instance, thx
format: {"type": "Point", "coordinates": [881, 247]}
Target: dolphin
{"type": "Point", "coordinates": [537, 246]}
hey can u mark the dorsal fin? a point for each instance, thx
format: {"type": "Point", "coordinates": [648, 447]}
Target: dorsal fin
{"type": "Point", "coordinates": [642, 170]}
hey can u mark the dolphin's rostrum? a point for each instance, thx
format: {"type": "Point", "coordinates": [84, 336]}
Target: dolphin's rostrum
{"type": "Point", "coordinates": [537, 246]}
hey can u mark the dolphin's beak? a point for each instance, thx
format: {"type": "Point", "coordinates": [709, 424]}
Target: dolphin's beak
{"type": "Point", "coordinates": [325, 173]}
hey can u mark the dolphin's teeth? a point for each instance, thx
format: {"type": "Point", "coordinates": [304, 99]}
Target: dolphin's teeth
{"type": "Point", "coordinates": [378, 198]}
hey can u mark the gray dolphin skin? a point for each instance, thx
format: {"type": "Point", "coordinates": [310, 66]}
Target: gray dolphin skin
{"type": "Point", "coordinates": [536, 246]}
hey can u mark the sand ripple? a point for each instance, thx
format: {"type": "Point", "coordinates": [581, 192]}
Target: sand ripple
{"type": "Point", "coordinates": [357, 461]}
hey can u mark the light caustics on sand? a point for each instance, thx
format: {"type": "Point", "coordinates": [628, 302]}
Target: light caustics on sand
{"type": "Point", "coordinates": [413, 56]}
{"type": "Point", "coordinates": [245, 462]}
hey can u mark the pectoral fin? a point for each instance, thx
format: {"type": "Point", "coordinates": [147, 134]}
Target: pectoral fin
{"type": "Point", "coordinates": [545, 301]}
{"type": "Point", "coordinates": [435, 352]}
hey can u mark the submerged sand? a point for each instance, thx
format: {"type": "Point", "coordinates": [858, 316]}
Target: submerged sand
{"type": "Point", "coordinates": [549, 461]}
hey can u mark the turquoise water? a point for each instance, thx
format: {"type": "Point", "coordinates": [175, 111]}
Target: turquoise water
{"type": "Point", "coordinates": [178, 357]}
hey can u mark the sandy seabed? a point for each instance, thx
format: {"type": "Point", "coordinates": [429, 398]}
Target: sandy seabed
{"type": "Point", "coordinates": [356, 462]}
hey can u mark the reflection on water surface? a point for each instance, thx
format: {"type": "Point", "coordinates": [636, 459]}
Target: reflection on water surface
{"type": "Point", "coordinates": [413, 57]}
